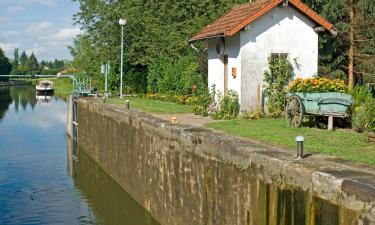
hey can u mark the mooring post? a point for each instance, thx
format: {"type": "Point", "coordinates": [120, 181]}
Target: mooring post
{"type": "Point", "coordinates": [300, 140]}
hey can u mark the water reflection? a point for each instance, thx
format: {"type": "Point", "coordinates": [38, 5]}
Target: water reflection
{"type": "Point", "coordinates": [34, 185]}
{"type": "Point", "coordinates": [110, 203]}
{"type": "Point", "coordinates": [21, 96]}
{"type": "Point", "coordinates": [5, 101]}
{"type": "Point", "coordinates": [44, 99]}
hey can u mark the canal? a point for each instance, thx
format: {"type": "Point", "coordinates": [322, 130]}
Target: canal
{"type": "Point", "coordinates": [45, 178]}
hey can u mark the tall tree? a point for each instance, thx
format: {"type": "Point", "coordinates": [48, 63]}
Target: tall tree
{"type": "Point", "coordinates": [351, 45]}
{"type": "Point", "coordinates": [32, 64]}
{"type": "Point", "coordinates": [16, 61]}
{"type": "Point", "coordinates": [23, 58]}
{"type": "Point", "coordinates": [154, 28]}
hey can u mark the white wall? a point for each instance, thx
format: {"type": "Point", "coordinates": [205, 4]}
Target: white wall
{"type": "Point", "coordinates": [282, 30]}
{"type": "Point", "coordinates": [216, 65]}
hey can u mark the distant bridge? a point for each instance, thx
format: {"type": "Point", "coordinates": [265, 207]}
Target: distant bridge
{"type": "Point", "coordinates": [37, 76]}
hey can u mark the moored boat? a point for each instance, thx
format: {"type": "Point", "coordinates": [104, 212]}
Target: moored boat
{"type": "Point", "coordinates": [45, 87]}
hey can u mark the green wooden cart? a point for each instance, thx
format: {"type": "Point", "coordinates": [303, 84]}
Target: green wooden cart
{"type": "Point", "coordinates": [331, 104]}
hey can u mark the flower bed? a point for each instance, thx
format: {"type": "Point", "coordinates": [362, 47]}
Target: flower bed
{"type": "Point", "coordinates": [317, 85]}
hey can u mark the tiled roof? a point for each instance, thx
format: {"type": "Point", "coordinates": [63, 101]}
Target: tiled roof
{"type": "Point", "coordinates": [242, 15]}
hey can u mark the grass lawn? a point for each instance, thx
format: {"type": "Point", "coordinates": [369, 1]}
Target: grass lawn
{"type": "Point", "coordinates": [341, 143]}
{"type": "Point", "coordinates": [153, 106]}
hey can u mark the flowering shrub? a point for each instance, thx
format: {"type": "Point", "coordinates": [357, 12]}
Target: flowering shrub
{"type": "Point", "coordinates": [317, 85]}
{"type": "Point", "coordinates": [229, 107]}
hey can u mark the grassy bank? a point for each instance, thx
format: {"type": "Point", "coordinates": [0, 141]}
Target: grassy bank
{"type": "Point", "coordinates": [341, 143]}
{"type": "Point", "coordinates": [153, 106]}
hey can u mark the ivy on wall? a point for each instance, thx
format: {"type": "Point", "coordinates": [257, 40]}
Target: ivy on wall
{"type": "Point", "coordinates": [277, 79]}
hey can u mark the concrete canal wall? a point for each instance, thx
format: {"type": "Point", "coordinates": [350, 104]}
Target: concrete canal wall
{"type": "Point", "coordinates": [184, 175]}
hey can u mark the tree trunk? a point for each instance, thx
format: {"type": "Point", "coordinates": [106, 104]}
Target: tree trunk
{"type": "Point", "coordinates": [351, 48]}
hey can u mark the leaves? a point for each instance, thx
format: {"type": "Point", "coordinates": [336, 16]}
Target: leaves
{"type": "Point", "coordinates": [277, 79]}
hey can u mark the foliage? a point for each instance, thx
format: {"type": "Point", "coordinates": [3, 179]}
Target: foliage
{"type": "Point", "coordinates": [277, 79]}
{"type": "Point", "coordinates": [253, 114]}
{"type": "Point", "coordinates": [28, 65]}
{"type": "Point", "coordinates": [333, 51]}
{"type": "Point", "coordinates": [201, 104]}
{"type": "Point", "coordinates": [180, 75]}
{"type": "Point", "coordinates": [229, 107]}
{"type": "Point", "coordinates": [154, 28]}
{"type": "Point", "coordinates": [5, 66]}
{"type": "Point", "coordinates": [317, 85]}
{"type": "Point", "coordinates": [85, 57]}
{"type": "Point", "coordinates": [363, 118]}
{"type": "Point", "coordinates": [32, 64]}
{"type": "Point", "coordinates": [16, 59]}
{"type": "Point", "coordinates": [23, 59]}
{"type": "Point", "coordinates": [49, 71]}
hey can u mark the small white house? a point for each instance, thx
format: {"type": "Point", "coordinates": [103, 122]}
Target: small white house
{"type": "Point", "coordinates": [240, 43]}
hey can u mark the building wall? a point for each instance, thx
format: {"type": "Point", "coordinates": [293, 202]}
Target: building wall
{"type": "Point", "coordinates": [282, 30]}
{"type": "Point", "coordinates": [216, 64]}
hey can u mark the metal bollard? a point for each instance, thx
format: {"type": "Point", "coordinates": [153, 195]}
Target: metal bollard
{"type": "Point", "coordinates": [300, 140]}
{"type": "Point", "coordinates": [127, 104]}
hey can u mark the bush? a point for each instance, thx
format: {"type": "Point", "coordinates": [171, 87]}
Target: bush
{"type": "Point", "coordinates": [200, 104]}
{"type": "Point", "coordinates": [229, 107]}
{"type": "Point", "coordinates": [179, 75]}
{"type": "Point", "coordinates": [49, 72]}
{"type": "Point", "coordinates": [363, 118]}
{"type": "Point", "coordinates": [253, 114]}
{"type": "Point", "coordinates": [317, 85]}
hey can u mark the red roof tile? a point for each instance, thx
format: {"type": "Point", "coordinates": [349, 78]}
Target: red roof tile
{"type": "Point", "coordinates": [242, 15]}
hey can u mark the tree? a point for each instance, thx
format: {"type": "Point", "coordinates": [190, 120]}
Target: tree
{"type": "Point", "coordinates": [155, 28]}
{"type": "Point", "coordinates": [23, 58]}
{"type": "Point", "coordinates": [16, 60]}
{"type": "Point", "coordinates": [32, 64]}
{"type": "Point", "coordinates": [350, 55]}
{"type": "Point", "coordinates": [5, 66]}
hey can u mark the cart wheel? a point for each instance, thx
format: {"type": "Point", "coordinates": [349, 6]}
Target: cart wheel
{"type": "Point", "coordinates": [294, 111]}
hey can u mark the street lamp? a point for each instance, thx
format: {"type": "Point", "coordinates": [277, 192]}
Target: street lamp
{"type": "Point", "coordinates": [122, 23]}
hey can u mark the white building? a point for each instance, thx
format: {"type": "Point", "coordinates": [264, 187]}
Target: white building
{"type": "Point", "coordinates": [240, 43]}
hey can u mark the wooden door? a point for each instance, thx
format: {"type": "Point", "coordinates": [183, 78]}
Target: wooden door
{"type": "Point", "coordinates": [225, 61]}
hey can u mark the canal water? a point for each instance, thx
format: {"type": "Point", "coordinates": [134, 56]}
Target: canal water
{"type": "Point", "coordinates": [45, 178]}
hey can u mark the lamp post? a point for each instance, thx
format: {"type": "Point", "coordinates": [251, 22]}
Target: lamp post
{"type": "Point", "coordinates": [122, 23]}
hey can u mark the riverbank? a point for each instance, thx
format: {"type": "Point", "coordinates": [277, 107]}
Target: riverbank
{"type": "Point", "coordinates": [186, 175]}
{"type": "Point", "coordinates": [11, 83]}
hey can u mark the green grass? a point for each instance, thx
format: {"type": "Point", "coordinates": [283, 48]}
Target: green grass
{"type": "Point", "coordinates": [341, 143]}
{"type": "Point", "coordinates": [153, 106]}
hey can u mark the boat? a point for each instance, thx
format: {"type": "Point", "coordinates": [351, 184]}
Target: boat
{"type": "Point", "coordinates": [45, 87]}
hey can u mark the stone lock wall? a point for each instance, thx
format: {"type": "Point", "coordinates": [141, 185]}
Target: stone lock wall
{"type": "Point", "coordinates": [185, 175]}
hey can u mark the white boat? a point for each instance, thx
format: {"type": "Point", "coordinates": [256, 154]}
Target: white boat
{"type": "Point", "coordinates": [45, 86]}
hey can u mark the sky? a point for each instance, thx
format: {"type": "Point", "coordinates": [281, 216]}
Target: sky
{"type": "Point", "coordinates": [44, 27]}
